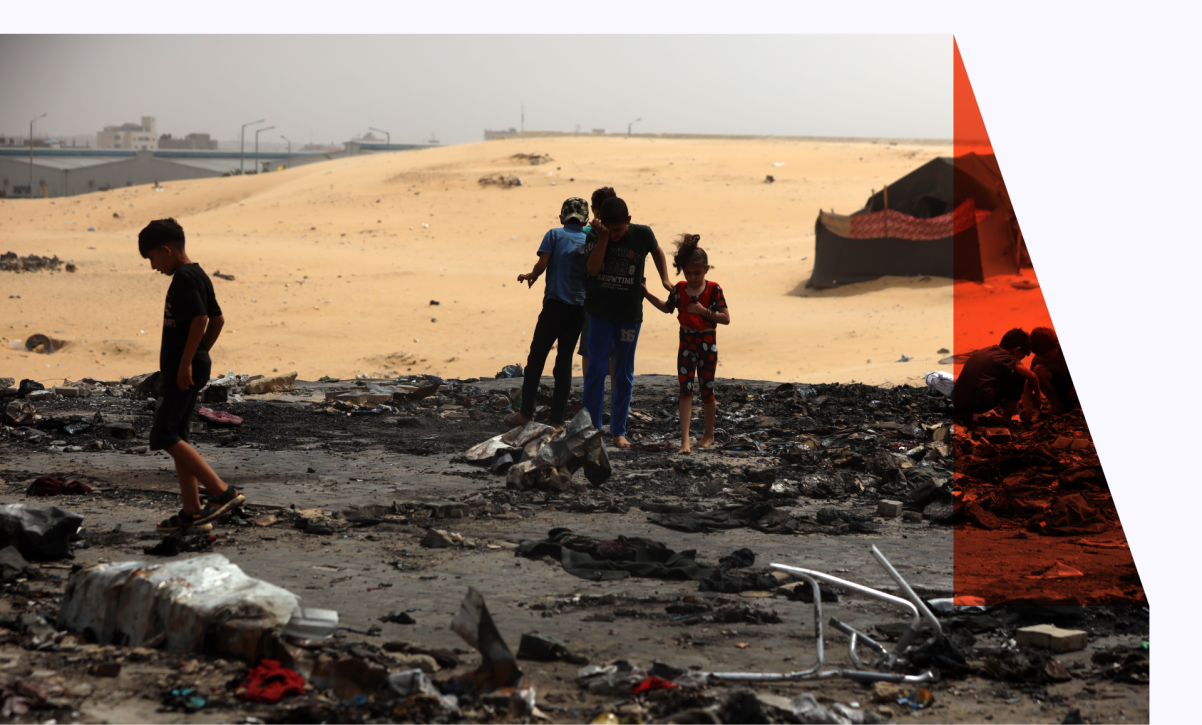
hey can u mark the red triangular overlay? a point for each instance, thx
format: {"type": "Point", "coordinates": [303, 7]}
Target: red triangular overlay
{"type": "Point", "coordinates": [1032, 502]}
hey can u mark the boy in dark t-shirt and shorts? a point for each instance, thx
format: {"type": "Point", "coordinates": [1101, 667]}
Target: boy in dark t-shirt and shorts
{"type": "Point", "coordinates": [995, 376]}
{"type": "Point", "coordinates": [617, 253]}
{"type": "Point", "coordinates": [192, 320]}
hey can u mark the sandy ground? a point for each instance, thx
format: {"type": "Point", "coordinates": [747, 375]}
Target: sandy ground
{"type": "Point", "coordinates": [335, 268]}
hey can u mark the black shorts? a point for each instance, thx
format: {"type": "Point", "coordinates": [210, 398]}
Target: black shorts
{"type": "Point", "coordinates": [1062, 385]}
{"type": "Point", "coordinates": [173, 413]}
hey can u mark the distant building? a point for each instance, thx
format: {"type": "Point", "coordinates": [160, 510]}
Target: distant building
{"type": "Point", "coordinates": [493, 135]}
{"type": "Point", "coordinates": [598, 130]}
{"type": "Point", "coordinates": [11, 140]}
{"type": "Point", "coordinates": [195, 141]}
{"type": "Point", "coordinates": [129, 136]}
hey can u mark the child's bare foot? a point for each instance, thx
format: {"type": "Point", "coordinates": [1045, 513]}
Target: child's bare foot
{"type": "Point", "coordinates": [621, 442]}
{"type": "Point", "coordinates": [705, 442]}
{"type": "Point", "coordinates": [684, 448]}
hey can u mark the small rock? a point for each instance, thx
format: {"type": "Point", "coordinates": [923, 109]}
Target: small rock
{"type": "Point", "coordinates": [437, 539]}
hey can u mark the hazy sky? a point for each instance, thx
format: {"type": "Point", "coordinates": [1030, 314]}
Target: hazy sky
{"type": "Point", "coordinates": [330, 88]}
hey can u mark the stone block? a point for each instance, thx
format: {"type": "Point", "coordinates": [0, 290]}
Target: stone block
{"type": "Point", "coordinates": [1051, 637]}
{"type": "Point", "coordinates": [73, 392]}
{"type": "Point", "coordinates": [889, 509]}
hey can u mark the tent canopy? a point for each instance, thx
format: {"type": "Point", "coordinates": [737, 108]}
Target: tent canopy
{"type": "Point", "coordinates": [895, 239]}
{"type": "Point", "coordinates": [942, 184]}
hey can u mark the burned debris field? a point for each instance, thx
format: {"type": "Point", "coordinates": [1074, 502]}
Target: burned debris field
{"type": "Point", "coordinates": [628, 586]}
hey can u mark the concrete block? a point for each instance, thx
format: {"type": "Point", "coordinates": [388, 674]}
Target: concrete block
{"type": "Point", "coordinates": [72, 392]}
{"type": "Point", "coordinates": [40, 395]}
{"type": "Point", "coordinates": [889, 509]}
{"type": "Point", "coordinates": [1051, 637]}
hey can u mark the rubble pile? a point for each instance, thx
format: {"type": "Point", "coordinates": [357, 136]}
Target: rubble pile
{"type": "Point", "coordinates": [11, 262]}
{"type": "Point", "coordinates": [1043, 476]}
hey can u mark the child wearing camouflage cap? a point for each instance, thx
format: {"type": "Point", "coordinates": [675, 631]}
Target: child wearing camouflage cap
{"type": "Point", "coordinates": [562, 257]}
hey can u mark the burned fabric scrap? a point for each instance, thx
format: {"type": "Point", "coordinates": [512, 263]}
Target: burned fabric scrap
{"type": "Point", "coordinates": [1070, 515]}
{"type": "Point", "coordinates": [618, 558]}
{"type": "Point", "coordinates": [729, 517]}
{"type": "Point", "coordinates": [722, 579]}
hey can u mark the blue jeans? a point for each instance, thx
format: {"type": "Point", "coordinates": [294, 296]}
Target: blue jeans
{"type": "Point", "coordinates": [620, 339]}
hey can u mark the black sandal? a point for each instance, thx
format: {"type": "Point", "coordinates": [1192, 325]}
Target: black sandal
{"type": "Point", "coordinates": [183, 520]}
{"type": "Point", "coordinates": [220, 505]}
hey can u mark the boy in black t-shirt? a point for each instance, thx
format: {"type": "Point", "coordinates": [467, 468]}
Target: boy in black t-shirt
{"type": "Point", "coordinates": [617, 253]}
{"type": "Point", "coordinates": [192, 321]}
{"type": "Point", "coordinates": [995, 376]}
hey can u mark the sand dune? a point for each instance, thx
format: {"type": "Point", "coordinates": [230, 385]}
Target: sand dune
{"type": "Point", "coordinates": [335, 267]}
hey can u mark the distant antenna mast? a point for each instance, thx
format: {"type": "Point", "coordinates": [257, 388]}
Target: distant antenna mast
{"type": "Point", "coordinates": [523, 118]}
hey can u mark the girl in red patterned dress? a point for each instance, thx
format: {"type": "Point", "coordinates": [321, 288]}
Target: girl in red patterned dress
{"type": "Point", "coordinates": [700, 305]}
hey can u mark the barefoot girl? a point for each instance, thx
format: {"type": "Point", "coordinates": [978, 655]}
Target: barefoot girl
{"type": "Point", "coordinates": [701, 306]}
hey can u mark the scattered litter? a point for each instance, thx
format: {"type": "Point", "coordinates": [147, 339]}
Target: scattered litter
{"type": "Point", "coordinates": [918, 699]}
{"type": "Point", "coordinates": [505, 182]}
{"type": "Point", "coordinates": [510, 371]}
{"type": "Point", "coordinates": [219, 419]}
{"type": "Point", "coordinates": [185, 699]}
{"type": "Point", "coordinates": [545, 648]}
{"type": "Point", "coordinates": [269, 682]}
{"type": "Point", "coordinates": [50, 486]}
{"type": "Point", "coordinates": [180, 541]}
{"type": "Point", "coordinates": [941, 382]}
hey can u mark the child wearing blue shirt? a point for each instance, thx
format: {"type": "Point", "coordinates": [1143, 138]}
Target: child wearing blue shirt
{"type": "Point", "coordinates": [562, 256]}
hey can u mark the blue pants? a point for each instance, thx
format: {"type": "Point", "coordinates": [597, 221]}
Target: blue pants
{"type": "Point", "coordinates": [620, 339]}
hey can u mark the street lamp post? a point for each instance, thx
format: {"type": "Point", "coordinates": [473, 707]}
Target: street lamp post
{"type": "Point", "coordinates": [631, 124]}
{"type": "Point", "coordinates": [289, 149]}
{"type": "Point", "coordinates": [387, 136]}
{"type": "Point", "coordinates": [31, 154]}
{"type": "Point", "coordinates": [257, 132]}
{"type": "Point", "coordinates": [242, 146]}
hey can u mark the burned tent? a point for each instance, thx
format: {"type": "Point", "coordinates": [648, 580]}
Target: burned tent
{"type": "Point", "coordinates": [947, 218]}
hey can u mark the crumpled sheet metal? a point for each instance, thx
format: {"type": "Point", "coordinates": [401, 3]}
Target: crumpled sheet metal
{"type": "Point", "coordinates": [498, 678]}
{"type": "Point", "coordinates": [535, 456]}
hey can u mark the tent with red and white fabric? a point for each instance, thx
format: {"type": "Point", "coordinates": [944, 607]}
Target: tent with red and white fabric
{"type": "Point", "coordinates": [947, 218]}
